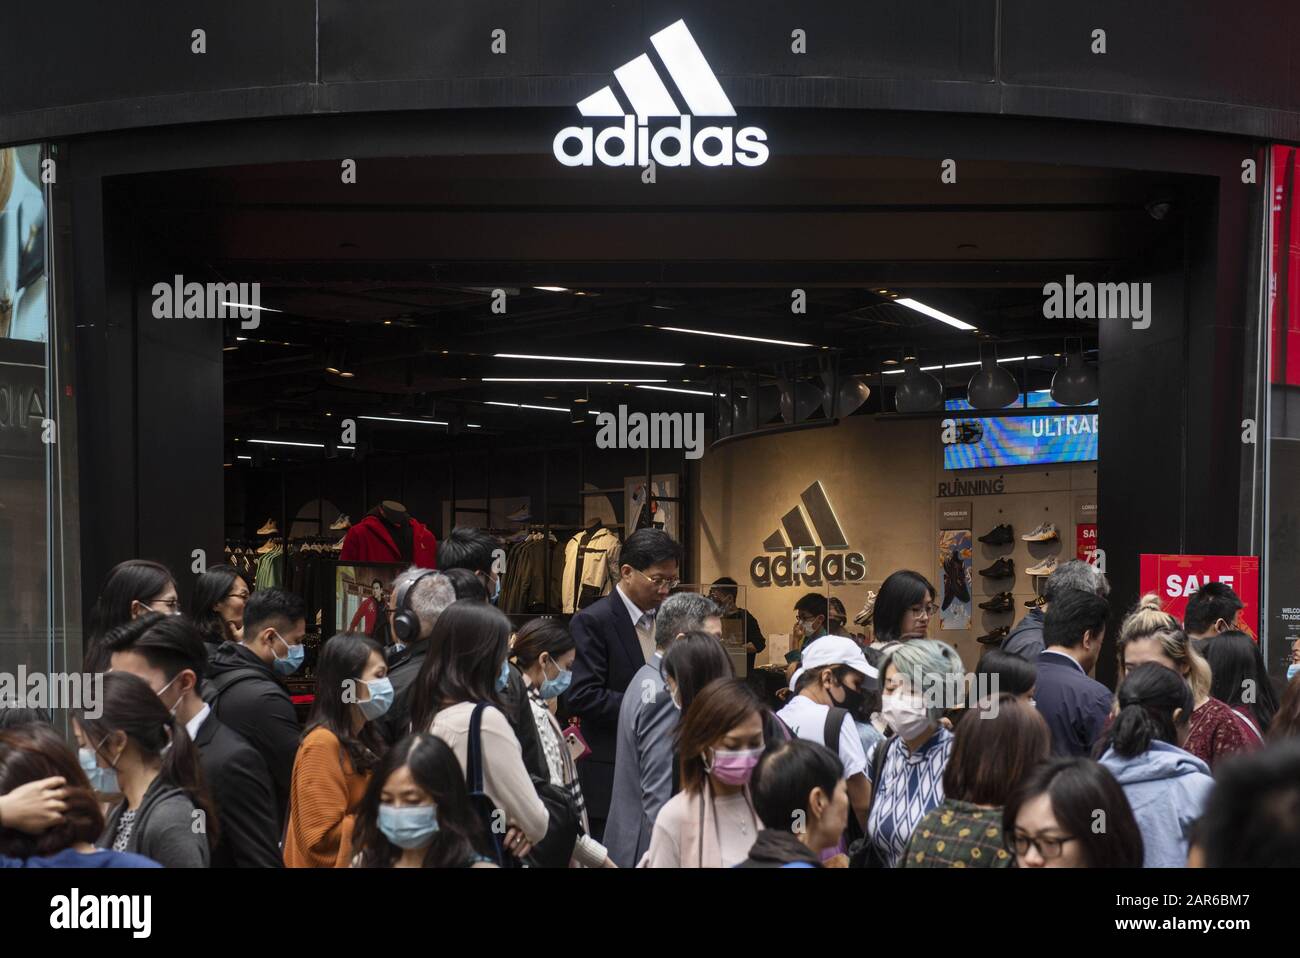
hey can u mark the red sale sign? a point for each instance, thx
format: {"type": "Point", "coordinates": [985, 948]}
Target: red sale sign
{"type": "Point", "coordinates": [1085, 541]}
{"type": "Point", "coordinates": [1175, 578]}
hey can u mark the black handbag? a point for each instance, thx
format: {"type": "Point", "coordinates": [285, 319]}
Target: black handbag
{"type": "Point", "coordinates": [863, 853]}
{"type": "Point", "coordinates": [556, 849]}
{"type": "Point", "coordinates": [491, 818]}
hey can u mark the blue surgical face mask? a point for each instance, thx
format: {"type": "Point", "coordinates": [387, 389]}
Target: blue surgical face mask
{"type": "Point", "coordinates": [103, 780]}
{"type": "Point", "coordinates": [380, 701]}
{"type": "Point", "coordinates": [550, 688]}
{"type": "Point", "coordinates": [412, 826]}
{"type": "Point", "coordinates": [292, 662]}
{"type": "Point", "coordinates": [1292, 671]}
{"type": "Point", "coordinates": [504, 678]}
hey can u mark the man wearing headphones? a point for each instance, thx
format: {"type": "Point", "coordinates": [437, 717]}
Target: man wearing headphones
{"type": "Point", "coordinates": [416, 600]}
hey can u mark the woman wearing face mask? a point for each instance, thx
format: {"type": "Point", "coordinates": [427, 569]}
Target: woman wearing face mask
{"type": "Point", "coordinates": [994, 748]}
{"type": "Point", "coordinates": [1166, 786]}
{"type": "Point", "coordinates": [340, 748]}
{"type": "Point", "coordinates": [49, 817]}
{"type": "Point", "coordinates": [1051, 820]}
{"type": "Point", "coordinates": [711, 822]}
{"type": "Point", "coordinates": [802, 799]}
{"type": "Point", "coordinates": [907, 769]}
{"type": "Point", "coordinates": [137, 747]}
{"type": "Point", "coordinates": [219, 597]}
{"type": "Point", "coordinates": [544, 652]}
{"type": "Point", "coordinates": [416, 812]}
{"type": "Point", "coordinates": [131, 589]}
{"type": "Point", "coordinates": [464, 674]}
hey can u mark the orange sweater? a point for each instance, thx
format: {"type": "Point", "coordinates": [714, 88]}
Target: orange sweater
{"type": "Point", "coordinates": [323, 800]}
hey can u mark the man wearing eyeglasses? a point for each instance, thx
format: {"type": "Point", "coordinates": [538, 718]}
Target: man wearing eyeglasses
{"type": "Point", "coordinates": [615, 638]}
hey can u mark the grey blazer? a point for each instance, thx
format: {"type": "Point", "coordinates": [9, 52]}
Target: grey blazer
{"type": "Point", "coordinates": [643, 765]}
{"type": "Point", "coordinates": [164, 829]}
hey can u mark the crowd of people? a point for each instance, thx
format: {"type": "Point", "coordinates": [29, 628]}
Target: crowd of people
{"type": "Point", "coordinates": [623, 738]}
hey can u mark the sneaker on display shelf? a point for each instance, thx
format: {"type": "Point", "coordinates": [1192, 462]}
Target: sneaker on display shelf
{"type": "Point", "coordinates": [999, 536]}
{"type": "Point", "coordinates": [999, 603]}
{"type": "Point", "coordinates": [1004, 568]}
{"type": "Point", "coordinates": [995, 637]}
{"type": "Point", "coordinates": [1046, 532]}
{"type": "Point", "coordinates": [1044, 568]}
{"type": "Point", "coordinates": [268, 528]}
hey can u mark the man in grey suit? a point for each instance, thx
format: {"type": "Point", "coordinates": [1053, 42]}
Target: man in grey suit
{"type": "Point", "coordinates": [643, 762]}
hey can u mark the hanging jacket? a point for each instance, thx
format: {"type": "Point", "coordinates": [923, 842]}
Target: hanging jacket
{"type": "Point", "coordinates": [371, 541]}
{"type": "Point", "coordinates": [1167, 788]}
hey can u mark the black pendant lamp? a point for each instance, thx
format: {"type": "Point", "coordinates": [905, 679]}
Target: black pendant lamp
{"type": "Point", "coordinates": [1075, 382]}
{"type": "Point", "coordinates": [919, 391]}
{"type": "Point", "coordinates": [992, 387]}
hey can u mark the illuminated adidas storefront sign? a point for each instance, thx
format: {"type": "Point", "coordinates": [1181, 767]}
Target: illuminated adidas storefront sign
{"type": "Point", "coordinates": [803, 558]}
{"type": "Point", "coordinates": [634, 143]}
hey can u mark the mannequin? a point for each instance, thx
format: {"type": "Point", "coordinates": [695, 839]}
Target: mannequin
{"type": "Point", "coordinates": [388, 533]}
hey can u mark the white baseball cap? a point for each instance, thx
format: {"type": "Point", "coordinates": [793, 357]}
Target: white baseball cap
{"type": "Point", "coordinates": [834, 650]}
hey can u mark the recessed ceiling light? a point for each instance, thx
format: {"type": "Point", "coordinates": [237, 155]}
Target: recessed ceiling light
{"type": "Point", "coordinates": [283, 442]}
{"type": "Point", "coordinates": [933, 313]}
{"type": "Point", "coordinates": [422, 422]}
{"type": "Point", "coordinates": [929, 369]}
{"type": "Point", "coordinates": [587, 359]}
{"type": "Point", "coordinates": [521, 405]}
{"type": "Point", "coordinates": [691, 392]}
{"type": "Point", "coordinates": [553, 289]}
{"type": "Point", "coordinates": [517, 379]}
{"type": "Point", "coordinates": [751, 339]}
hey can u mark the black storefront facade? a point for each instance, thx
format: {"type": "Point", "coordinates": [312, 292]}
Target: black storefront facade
{"type": "Point", "coordinates": [994, 87]}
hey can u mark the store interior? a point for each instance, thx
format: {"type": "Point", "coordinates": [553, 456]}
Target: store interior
{"type": "Point", "coordinates": [469, 316]}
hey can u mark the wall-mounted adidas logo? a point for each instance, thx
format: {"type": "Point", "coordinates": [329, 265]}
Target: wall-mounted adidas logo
{"type": "Point", "coordinates": [632, 144]}
{"type": "Point", "coordinates": [805, 532]}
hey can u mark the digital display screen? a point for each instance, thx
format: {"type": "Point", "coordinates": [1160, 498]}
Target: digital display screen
{"type": "Point", "coordinates": [1023, 440]}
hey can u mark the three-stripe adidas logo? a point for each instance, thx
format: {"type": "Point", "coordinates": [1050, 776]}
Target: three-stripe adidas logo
{"type": "Point", "coordinates": [631, 144]}
{"type": "Point", "coordinates": [805, 533]}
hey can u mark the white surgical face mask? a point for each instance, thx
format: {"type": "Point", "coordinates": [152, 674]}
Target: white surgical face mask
{"type": "Point", "coordinates": [905, 713]}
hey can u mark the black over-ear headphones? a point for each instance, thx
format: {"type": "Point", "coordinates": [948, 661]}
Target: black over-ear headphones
{"type": "Point", "coordinates": [406, 624]}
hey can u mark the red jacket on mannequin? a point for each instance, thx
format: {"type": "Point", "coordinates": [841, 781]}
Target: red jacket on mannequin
{"type": "Point", "coordinates": [374, 538]}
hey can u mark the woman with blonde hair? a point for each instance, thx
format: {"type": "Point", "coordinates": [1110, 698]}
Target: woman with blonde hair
{"type": "Point", "coordinates": [1149, 634]}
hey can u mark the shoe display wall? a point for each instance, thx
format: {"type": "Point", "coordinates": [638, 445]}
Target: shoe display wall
{"type": "Point", "coordinates": [1021, 533]}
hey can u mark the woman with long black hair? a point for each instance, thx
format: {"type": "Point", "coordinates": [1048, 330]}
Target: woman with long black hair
{"type": "Point", "coordinates": [219, 597]}
{"type": "Point", "coordinates": [464, 674]}
{"type": "Point", "coordinates": [340, 748]}
{"type": "Point", "coordinates": [416, 812]}
{"type": "Point", "coordinates": [165, 812]}
{"type": "Point", "coordinates": [131, 589]}
{"type": "Point", "coordinates": [1239, 679]}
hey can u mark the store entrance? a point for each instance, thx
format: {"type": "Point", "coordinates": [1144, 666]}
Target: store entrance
{"type": "Point", "coordinates": [873, 359]}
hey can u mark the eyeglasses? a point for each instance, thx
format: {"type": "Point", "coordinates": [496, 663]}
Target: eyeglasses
{"type": "Point", "coordinates": [927, 610]}
{"type": "Point", "coordinates": [1047, 848]}
{"type": "Point", "coordinates": [658, 581]}
{"type": "Point", "coordinates": [170, 604]}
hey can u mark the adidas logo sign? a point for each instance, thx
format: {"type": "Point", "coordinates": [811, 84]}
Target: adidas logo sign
{"type": "Point", "coordinates": [631, 143]}
{"type": "Point", "coordinates": [801, 559]}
